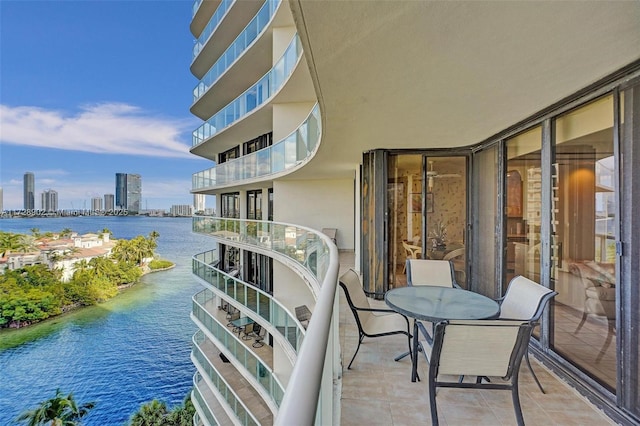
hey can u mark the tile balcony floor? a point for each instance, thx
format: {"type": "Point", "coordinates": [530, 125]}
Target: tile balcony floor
{"type": "Point", "coordinates": [378, 391]}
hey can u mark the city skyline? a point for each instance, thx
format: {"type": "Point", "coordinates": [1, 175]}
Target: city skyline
{"type": "Point", "coordinates": [83, 105]}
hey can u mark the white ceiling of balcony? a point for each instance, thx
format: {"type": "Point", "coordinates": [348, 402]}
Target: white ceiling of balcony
{"type": "Point", "coordinates": [427, 74]}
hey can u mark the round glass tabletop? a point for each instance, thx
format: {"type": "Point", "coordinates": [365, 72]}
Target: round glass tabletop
{"type": "Point", "coordinates": [430, 303]}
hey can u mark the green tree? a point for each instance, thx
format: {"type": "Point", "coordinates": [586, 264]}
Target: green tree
{"type": "Point", "coordinates": [66, 233]}
{"type": "Point", "coordinates": [150, 414]}
{"type": "Point", "coordinates": [58, 411]}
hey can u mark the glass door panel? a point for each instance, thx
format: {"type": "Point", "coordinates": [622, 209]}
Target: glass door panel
{"type": "Point", "coordinates": [583, 240]}
{"type": "Point", "coordinates": [405, 209]}
{"type": "Point", "coordinates": [523, 206]}
{"type": "Point", "coordinates": [445, 208]}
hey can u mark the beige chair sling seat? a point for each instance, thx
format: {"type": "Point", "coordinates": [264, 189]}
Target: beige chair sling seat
{"type": "Point", "coordinates": [481, 348]}
{"type": "Point", "coordinates": [525, 300]}
{"type": "Point", "coordinates": [430, 272]}
{"type": "Point", "coordinates": [372, 322]}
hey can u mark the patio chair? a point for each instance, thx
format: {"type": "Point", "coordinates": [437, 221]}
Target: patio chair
{"type": "Point", "coordinates": [259, 334]}
{"type": "Point", "coordinates": [430, 272]}
{"type": "Point", "coordinates": [483, 348]}
{"type": "Point", "coordinates": [371, 322]}
{"type": "Point", "coordinates": [232, 317]}
{"type": "Point", "coordinates": [303, 314]}
{"type": "Point", "coordinates": [525, 300]}
{"type": "Point", "coordinates": [247, 331]}
{"type": "Point", "coordinates": [331, 233]}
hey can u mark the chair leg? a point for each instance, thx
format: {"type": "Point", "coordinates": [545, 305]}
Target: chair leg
{"type": "Point", "coordinates": [526, 358]}
{"type": "Point", "coordinates": [432, 401]}
{"type": "Point", "coordinates": [607, 342]}
{"type": "Point", "coordinates": [515, 397]}
{"type": "Point", "coordinates": [584, 318]}
{"type": "Point", "coordinates": [357, 349]}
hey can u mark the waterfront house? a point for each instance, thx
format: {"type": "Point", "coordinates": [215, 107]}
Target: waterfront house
{"type": "Point", "coordinates": [507, 131]}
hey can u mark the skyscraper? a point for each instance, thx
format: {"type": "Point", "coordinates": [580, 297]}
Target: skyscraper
{"type": "Point", "coordinates": [128, 192]}
{"type": "Point", "coordinates": [108, 202]}
{"type": "Point", "coordinates": [96, 203]}
{"type": "Point", "coordinates": [199, 202]}
{"type": "Point", "coordinates": [49, 200]}
{"type": "Point", "coordinates": [29, 191]}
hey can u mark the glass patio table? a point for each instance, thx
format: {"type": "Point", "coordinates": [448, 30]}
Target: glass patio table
{"type": "Point", "coordinates": [433, 304]}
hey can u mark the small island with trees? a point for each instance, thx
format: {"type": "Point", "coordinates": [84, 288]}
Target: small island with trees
{"type": "Point", "coordinates": [46, 274]}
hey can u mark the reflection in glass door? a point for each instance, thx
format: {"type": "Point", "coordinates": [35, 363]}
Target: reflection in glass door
{"type": "Point", "coordinates": [584, 217]}
{"type": "Point", "coordinates": [445, 211]}
{"type": "Point", "coordinates": [404, 207]}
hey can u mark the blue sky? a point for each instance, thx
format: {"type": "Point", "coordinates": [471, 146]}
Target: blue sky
{"type": "Point", "coordinates": [91, 88]}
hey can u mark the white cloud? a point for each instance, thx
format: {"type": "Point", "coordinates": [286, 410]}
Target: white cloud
{"type": "Point", "coordinates": [109, 128]}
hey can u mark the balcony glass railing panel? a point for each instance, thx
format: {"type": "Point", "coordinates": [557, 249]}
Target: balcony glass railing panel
{"type": "Point", "coordinates": [239, 351]}
{"type": "Point", "coordinates": [196, 6]}
{"type": "Point", "coordinates": [299, 244]}
{"type": "Point", "coordinates": [261, 303]}
{"type": "Point", "coordinates": [239, 45]}
{"type": "Point", "coordinates": [303, 402]}
{"type": "Point", "coordinates": [197, 382]}
{"type": "Point", "coordinates": [236, 404]}
{"type": "Point", "coordinates": [299, 145]}
{"type": "Point", "coordinates": [213, 23]}
{"type": "Point", "coordinates": [253, 97]}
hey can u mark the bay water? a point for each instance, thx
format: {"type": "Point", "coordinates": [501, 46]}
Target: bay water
{"type": "Point", "coordinates": [119, 354]}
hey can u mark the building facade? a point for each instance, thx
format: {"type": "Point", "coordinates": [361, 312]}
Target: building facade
{"type": "Point", "coordinates": [515, 147]}
{"type": "Point", "coordinates": [96, 204]}
{"type": "Point", "coordinates": [128, 192]}
{"type": "Point", "coordinates": [181, 210]}
{"type": "Point", "coordinates": [109, 203]}
{"type": "Point", "coordinates": [29, 189]}
{"type": "Point", "coordinates": [49, 200]}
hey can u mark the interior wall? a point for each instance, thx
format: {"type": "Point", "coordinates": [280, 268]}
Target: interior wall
{"type": "Point", "coordinates": [317, 204]}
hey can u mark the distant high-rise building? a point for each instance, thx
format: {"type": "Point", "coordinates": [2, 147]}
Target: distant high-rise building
{"type": "Point", "coordinates": [96, 203]}
{"type": "Point", "coordinates": [128, 192]}
{"type": "Point", "coordinates": [181, 210]}
{"type": "Point", "coordinates": [50, 200]}
{"type": "Point", "coordinates": [29, 191]}
{"type": "Point", "coordinates": [199, 202]}
{"type": "Point", "coordinates": [108, 202]}
{"type": "Point", "coordinates": [1, 198]}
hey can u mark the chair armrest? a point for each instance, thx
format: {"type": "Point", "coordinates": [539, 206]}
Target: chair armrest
{"type": "Point", "coordinates": [373, 293]}
{"type": "Point", "coordinates": [376, 310]}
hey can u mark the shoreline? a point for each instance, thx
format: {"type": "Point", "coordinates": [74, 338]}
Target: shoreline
{"type": "Point", "coordinates": [74, 309]}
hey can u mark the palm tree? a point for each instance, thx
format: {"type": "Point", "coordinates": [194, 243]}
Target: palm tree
{"type": "Point", "coordinates": [66, 232]}
{"type": "Point", "coordinates": [58, 411]}
{"type": "Point", "coordinates": [154, 235]}
{"type": "Point", "coordinates": [35, 232]}
{"type": "Point", "coordinates": [151, 413]}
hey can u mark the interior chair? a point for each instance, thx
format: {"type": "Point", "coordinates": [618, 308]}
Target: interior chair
{"type": "Point", "coordinates": [481, 348]}
{"type": "Point", "coordinates": [413, 252]}
{"type": "Point", "coordinates": [599, 283]}
{"type": "Point", "coordinates": [457, 261]}
{"type": "Point", "coordinates": [525, 300]}
{"type": "Point", "coordinates": [303, 314]}
{"type": "Point", "coordinates": [371, 322]}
